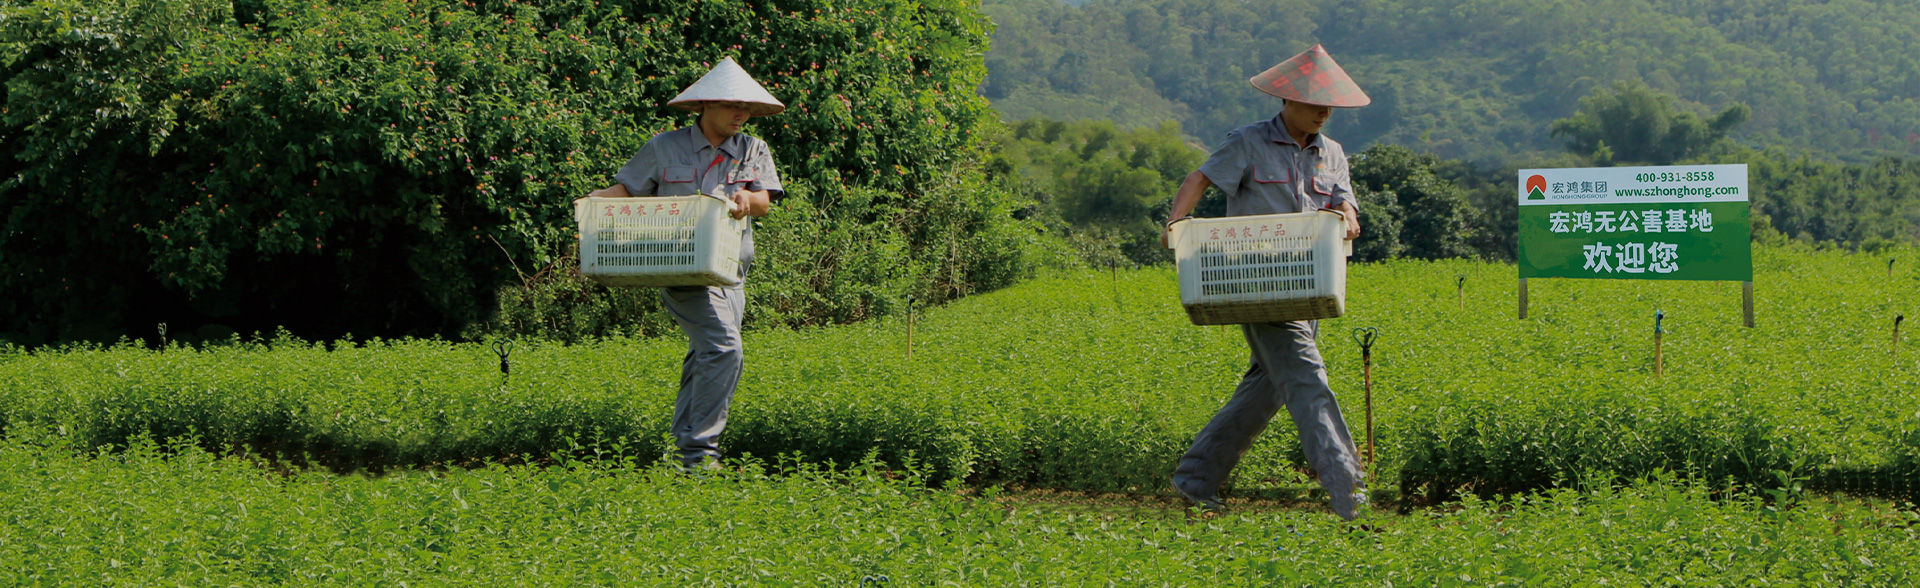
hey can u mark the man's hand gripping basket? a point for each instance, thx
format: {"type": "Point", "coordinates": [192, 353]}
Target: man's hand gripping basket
{"type": "Point", "coordinates": [1262, 269]}
{"type": "Point", "coordinates": [659, 241]}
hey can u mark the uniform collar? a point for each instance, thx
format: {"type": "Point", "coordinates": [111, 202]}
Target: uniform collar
{"type": "Point", "coordinates": [734, 146]}
{"type": "Point", "coordinates": [1277, 131]}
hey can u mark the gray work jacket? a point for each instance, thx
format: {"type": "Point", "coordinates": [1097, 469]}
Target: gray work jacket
{"type": "Point", "coordinates": [681, 162]}
{"type": "Point", "coordinates": [1263, 170]}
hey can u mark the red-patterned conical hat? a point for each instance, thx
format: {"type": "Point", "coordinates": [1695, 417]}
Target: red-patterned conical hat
{"type": "Point", "coordinates": [1313, 78]}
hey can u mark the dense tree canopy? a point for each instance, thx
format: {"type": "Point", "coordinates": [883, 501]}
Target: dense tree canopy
{"type": "Point", "coordinates": [1408, 209]}
{"type": "Point", "coordinates": [1107, 188]}
{"type": "Point", "coordinates": [386, 166]}
{"type": "Point", "coordinates": [1632, 124]}
{"type": "Point", "coordinates": [1112, 188]}
{"type": "Point", "coordinates": [1478, 80]}
{"type": "Point", "coordinates": [383, 166]}
{"type": "Point", "coordinates": [1799, 197]}
{"type": "Point", "coordinates": [1821, 98]}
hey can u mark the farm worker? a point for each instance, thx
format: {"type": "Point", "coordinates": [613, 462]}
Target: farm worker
{"type": "Point", "coordinates": [1276, 166]}
{"type": "Point", "coordinates": [711, 157]}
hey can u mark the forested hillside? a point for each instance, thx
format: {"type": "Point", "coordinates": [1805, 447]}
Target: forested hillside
{"type": "Point", "coordinates": [1480, 80]}
{"type": "Point", "coordinates": [1822, 99]}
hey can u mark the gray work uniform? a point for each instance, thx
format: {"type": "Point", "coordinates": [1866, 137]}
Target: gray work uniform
{"type": "Point", "coordinates": [1263, 170]}
{"type": "Point", "coordinates": [681, 163]}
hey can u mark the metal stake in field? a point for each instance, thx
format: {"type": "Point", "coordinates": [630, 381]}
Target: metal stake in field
{"type": "Point", "coordinates": [1890, 266]}
{"type": "Point", "coordinates": [1896, 331]}
{"type": "Point", "coordinates": [1657, 332]}
{"type": "Point", "coordinates": [1460, 290]}
{"type": "Point", "coordinates": [1364, 336]}
{"type": "Point", "coordinates": [909, 326]}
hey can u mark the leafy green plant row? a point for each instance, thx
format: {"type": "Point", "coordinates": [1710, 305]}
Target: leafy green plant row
{"type": "Point", "coordinates": [1023, 388]}
{"type": "Point", "coordinates": [1817, 391]}
{"type": "Point", "coordinates": [178, 515]}
{"type": "Point", "coordinates": [1094, 381]}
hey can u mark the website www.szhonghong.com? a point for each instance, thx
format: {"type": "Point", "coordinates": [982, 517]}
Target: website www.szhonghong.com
{"type": "Point", "coordinates": [1679, 192]}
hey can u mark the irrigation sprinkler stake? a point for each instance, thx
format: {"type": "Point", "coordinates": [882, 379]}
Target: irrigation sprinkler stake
{"type": "Point", "coordinates": [1460, 290]}
{"type": "Point", "coordinates": [1890, 266]}
{"type": "Point", "coordinates": [1365, 336]}
{"type": "Point", "coordinates": [1657, 332]}
{"type": "Point", "coordinates": [1896, 331]}
{"type": "Point", "coordinates": [909, 326]}
{"type": "Point", "coordinates": [502, 348]}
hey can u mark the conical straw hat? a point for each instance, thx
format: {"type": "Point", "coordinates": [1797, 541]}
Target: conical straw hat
{"type": "Point", "coordinates": [1313, 78]}
{"type": "Point", "coordinates": [726, 82]}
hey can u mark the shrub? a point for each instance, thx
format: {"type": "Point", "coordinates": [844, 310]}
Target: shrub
{"type": "Point", "coordinates": [345, 166]}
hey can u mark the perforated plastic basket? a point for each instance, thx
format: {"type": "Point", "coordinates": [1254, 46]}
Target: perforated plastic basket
{"type": "Point", "coordinates": [659, 241]}
{"type": "Point", "coordinates": [1262, 269]}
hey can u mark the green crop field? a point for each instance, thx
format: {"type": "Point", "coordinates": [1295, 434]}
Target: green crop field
{"type": "Point", "coordinates": [1086, 381]}
{"type": "Point", "coordinates": [1094, 381]}
{"type": "Point", "coordinates": [136, 518]}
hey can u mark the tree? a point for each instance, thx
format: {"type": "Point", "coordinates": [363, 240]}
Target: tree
{"type": "Point", "coordinates": [1632, 123]}
{"type": "Point", "coordinates": [1105, 183]}
{"type": "Point", "coordinates": [1406, 208]}
{"type": "Point", "coordinates": [383, 167]}
{"type": "Point", "coordinates": [1834, 77]}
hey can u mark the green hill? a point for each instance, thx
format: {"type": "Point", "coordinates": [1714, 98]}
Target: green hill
{"type": "Point", "coordinates": [1473, 80]}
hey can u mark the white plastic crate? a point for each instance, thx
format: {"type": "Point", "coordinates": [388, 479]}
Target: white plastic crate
{"type": "Point", "coordinates": [659, 241]}
{"type": "Point", "coordinates": [1262, 269]}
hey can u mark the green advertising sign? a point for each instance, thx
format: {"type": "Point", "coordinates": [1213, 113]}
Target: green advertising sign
{"type": "Point", "coordinates": [1637, 223]}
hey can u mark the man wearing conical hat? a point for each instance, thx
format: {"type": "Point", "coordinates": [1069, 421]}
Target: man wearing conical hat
{"type": "Point", "coordinates": [710, 157]}
{"type": "Point", "coordinates": [1277, 166]}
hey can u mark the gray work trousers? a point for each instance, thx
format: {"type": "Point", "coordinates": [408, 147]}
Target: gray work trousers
{"type": "Point", "coordinates": [710, 316]}
{"type": "Point", "coordinates": [1287, 370]}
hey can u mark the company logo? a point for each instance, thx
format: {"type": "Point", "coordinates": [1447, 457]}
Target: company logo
{"type": "Point", "coordinates": [1537, 187]}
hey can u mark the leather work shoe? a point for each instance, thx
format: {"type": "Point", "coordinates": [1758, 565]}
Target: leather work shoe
{"type": "Point", "coordinates": [1205, 503]}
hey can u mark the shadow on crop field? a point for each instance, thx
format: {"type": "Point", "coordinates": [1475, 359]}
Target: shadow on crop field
{"type": "Point", "coordinates": [1094, 382]}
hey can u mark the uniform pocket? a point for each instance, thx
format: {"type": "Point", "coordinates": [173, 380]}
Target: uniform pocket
{"type": "Point", "coordinates": [676, 174]}
{"type": "Point", "coordinates": [1272, 176]}
{"type": "Point", "coordinates": [1322, 184]}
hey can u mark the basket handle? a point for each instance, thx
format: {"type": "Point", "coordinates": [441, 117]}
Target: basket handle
{"type": "Point", "coordinates": [1174, 230]}
{"type": "Point", "coordinates": [1345, 243]}
{"type": "Point", "coordinates": [1342, 215]}
{"type": "Point", "coordinates": [732, 206]}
